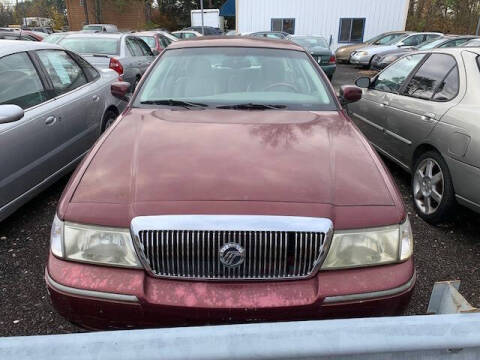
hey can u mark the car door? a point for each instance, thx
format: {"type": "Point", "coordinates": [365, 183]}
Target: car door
{"type": "Point", "coordinates": [134, 61]}
{"type": "Point", "coordinates": [369, 114]}
{"type": "Point", "coordinates": [78, 100]}
{"type": "Point", "coordinates": [411, 115]}
{"type": "Point", "coordinates": [30, 145]}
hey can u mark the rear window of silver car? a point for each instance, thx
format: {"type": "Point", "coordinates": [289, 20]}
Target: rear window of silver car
{"type": "Point", "coordinates": [92, 45]}
{"type": "Point", "coordinates": [220, 76]}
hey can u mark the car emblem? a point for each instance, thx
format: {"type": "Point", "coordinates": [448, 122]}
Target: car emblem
{"type": "Point", "coordinates": [232, 255]}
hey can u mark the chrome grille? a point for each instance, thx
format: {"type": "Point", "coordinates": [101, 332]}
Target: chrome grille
{"type": "Point", "coordinates": [196, 254]}
{"type": "Point", "coordinates": [233, 247]}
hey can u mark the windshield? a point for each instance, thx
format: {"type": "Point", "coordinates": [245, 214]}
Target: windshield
{"type": "Point", "coordinates": [473, 43]}
{"type": "Point", "coordinates": [150, 40]}
{"type": "Point", "coordinates": [53, 38]}
{"type": "Point", "coordinates": [222, 76]}
{"type": "Point", "coordinates": [309, 42]}
{"type": "Point", "coordinates": [92, 45]}
{"type": "Point", "coordinates": [430, 44]}
{"type": "Point", "coordinates": [390, 39]}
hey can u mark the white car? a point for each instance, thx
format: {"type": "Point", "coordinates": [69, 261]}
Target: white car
{"type": "Point", "coordinates": [365, 55]}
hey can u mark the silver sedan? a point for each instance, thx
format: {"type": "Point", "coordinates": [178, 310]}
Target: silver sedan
{"type": "Point", "coordinates": [422, 113]}
{"type": "Point", "coordinates": [53, 107]}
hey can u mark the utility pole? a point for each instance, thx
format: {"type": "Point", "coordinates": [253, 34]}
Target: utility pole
{"type": "Point", "coordinates": [201, 7]}
{"type": "Point", "coordinates": [85, 10]}
{"type": "Point", "coordinates": [478, 27]}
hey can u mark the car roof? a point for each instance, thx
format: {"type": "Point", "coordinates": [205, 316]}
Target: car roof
{"type": "Point", "coordinates": [224, 41]}
{"type": "Point", "coordinates": [8, 47]}
{"type": "Point", "coordinates": [453, 51]}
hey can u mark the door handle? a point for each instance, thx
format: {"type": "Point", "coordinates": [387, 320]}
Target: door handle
{"type": "Point", "coordinates": [383, 104]}
{"type": "Point", "coordinates": [51, 120]}
{"type": "Point", "coordinates": [429, 117]}
{"type": "Point", "coordinates": [95, 98]}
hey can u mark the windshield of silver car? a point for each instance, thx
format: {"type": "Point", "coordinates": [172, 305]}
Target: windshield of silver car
{"type": "Point", "coordinates": [236, 78]}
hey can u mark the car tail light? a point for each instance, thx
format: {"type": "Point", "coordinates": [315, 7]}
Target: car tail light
{"type": "Point", "coordinates": [332, 60]}
{"type": "Point", "coordinates": [116, 65]}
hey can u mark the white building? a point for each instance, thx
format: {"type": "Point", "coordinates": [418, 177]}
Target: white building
{"type": "Point", "coordinates": [345, 21]}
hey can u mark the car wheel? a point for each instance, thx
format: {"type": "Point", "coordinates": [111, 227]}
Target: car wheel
{"type": "Point", "coordinates": [432, 187]}
{"type": "Point", "coordinates": [108, 119]}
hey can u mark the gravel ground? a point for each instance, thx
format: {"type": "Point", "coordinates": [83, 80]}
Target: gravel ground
{"type": "Point", "coordinates": [448, 252]}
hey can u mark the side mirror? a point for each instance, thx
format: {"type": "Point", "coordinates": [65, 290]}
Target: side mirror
{"type": "Point", "coordinates": [363, 82]}
{"type": "Point", "coordinates": [120, 90]}
{"type": "Point", "coordinates": [349, 94]}
{"type": "Point", "coordinates": [10, 113]}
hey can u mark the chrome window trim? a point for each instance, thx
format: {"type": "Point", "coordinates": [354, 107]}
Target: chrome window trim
{"type": "Point", "coordinates": [371, 295]}
{"type": "Point", "coordinates": [89, 293]}
{"type": "Point", "coordinates": [230, 223]}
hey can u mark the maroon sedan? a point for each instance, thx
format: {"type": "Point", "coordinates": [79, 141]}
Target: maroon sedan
{"type": "Point", "coordinates": [233, 188]}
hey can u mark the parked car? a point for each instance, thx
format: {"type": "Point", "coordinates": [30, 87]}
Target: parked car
{"type": "Point", "coordinates": [56, 37]}
{"type": "Point", "coordinates": [53, 106]}
{"type": "Point", "coordinates": [207, 30]}
{"type": "Point", "coordinates": [18, 35]}
{"type": "Point", "coordinates": [364, 56]}
{"type": "Point", "coordinates": [318, 47]}
{"type": "Point", "coordinates": [423, 114]}
{"type": "Point", "coordinates": [343, 53]}
{"type": "Point", "coordinates": [43, 29]}
{"type": "Point", "coordinates": [233, 188]}
{"type": "Point", "coordinates": [157, 40]}
{"type": "Point", "coordinates": [270, 34]}
{"type": "Point", "coordinates": [382, 60]}
{"type": "Point", "coordinates": [186, 34]}
{"type": "Point", "coordinates": [127, 54]}
{"type": "Point", "coordinates": [102, 28]}
{"type": "Point", "coordinates": [473, 43]}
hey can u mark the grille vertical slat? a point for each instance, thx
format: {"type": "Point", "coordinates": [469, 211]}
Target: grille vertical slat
{"type": "Point", "coordinates": [196, 254]}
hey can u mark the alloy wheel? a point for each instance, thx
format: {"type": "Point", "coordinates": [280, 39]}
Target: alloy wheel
{"type": "Point", "coordinates": [428, 186]}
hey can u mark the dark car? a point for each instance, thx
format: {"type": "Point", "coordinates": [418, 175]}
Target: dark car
{"type": "Point", "coordinates": [233, 188]}
{"type": "Point", "coordinates": [270, 34]}
{"type": "Point", "coordinates": [318, 47]}
{"type": "Point", "coordinates": [208, 30]}
{"type": "Point", "coordinates": [382, 60]}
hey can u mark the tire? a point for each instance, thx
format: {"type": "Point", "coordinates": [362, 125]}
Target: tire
{"type": "Point", "coordinates": [108, 119]}
{"type": "Point", "coordinates": [432, 188]}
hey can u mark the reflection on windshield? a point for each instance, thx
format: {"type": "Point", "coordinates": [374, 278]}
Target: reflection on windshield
{"type": "Point", "coordinates": [92, 45]}
{"type": "Point", "coordinates": [308, 42]}
{"type": "Point", "coordinates": [236, 78]}
{"type": "Point", "coordinates": [390, 39]}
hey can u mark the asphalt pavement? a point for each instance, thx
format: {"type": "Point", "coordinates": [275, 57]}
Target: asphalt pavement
{"type": "Point", "coordinates": [447, 252]}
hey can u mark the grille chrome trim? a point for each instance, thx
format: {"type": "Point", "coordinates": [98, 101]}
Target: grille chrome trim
{"type": "Point", "coordinates": [270, 240]}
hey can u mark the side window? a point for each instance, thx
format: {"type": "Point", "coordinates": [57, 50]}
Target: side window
{"type": "Point", "coordinates": [188, 35]}
{"type": "Point", "coordinates": [430, 77]}
{"type": "Point", "coordinates": [133, 47]}
{"type": "Point", "coordinates": [392, 79]}
{"type": "Point", "coordinates": [89, 70]}
{"type": "Point", "coordinates": [164, 41]}
{"type": "Point", "coordinates": [65, 73]}
{"type": "Point", "coordinates": [448, 89]}
{"type": "Point", "coordinates": [413, 40]}
{"type": "Point", "coordinates": [145, 49]}
{"type": "Point", "coordinates": [21, 84]}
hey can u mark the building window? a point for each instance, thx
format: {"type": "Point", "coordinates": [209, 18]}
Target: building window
{"type": "Point", "coordinates": [285, 25]}
{"type": "Point", "coordinates": [351, 30]}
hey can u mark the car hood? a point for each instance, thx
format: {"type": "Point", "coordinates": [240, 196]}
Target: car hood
{"type": "Point", "coordinates": [151, 158]}
{"type": "Point", "coordinates": [351, 47]}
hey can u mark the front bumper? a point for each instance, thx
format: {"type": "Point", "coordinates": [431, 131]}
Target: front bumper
{"type": "Point", "coordinates": [357, 59]}
{"type": "Point", "coordinates": [98, 297]}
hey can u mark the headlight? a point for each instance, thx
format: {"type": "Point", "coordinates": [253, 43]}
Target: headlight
{"type": "Point", "coordinates": [359, 248]}
{"type": "Point", "coordinates": [93, 244]}
{"type": "Point", "coordinates": [362, 53]}
{"type": "Point", "coordinates": [390, 58]}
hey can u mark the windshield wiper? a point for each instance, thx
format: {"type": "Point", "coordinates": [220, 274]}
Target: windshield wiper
{"type": "Point", "coordinates": [251, 106]}
{"type": "Point", "coordinates": [172, 102]}
{"type": "Point", "coordinates": [100, 55]}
